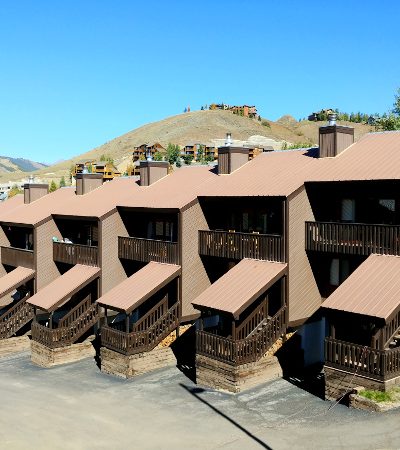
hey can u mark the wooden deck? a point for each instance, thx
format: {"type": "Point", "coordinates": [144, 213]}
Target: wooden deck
{"type": "Point", "coordinates": [146, 335]}
{"type": "Point", "coordinates": [353, 238]}
{"type": "Point", "coordinates": [12, 256]}
{"type": "Point", "coordinates": [234, 245]}
{"type": "Point", "coordinates": [76, 254]}
{"type": "Point", "coordinates": [379, 365]}
{"type": "Point", "coordinates": [242, 351]}
{"type": "Point", "coordinates": [146, 250]}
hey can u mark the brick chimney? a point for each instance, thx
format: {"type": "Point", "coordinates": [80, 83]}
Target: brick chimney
{"type": "Point", "coordinates": [86, 182]}
{"type": "Point", "coordinates": [34, 191]}
{"type": "Point", "coordinates": [333, 139]}
{"type": "Point", "coordinates": [152, 171]}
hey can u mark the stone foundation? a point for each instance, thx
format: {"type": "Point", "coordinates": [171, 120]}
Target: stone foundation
{"type": "Point", "coordinates": [338, 383]}
{"type": "Point", "coordinates": [222, 376]}
{"type": "Point", "coordinates": [48, 357]}
{"type": "Point", "coordinates": [123, 366]}
{"type": "Point", "coordinates": [14, 345]}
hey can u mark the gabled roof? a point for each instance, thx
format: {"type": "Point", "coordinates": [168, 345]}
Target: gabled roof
{"type": "Point", "coordinates": [100, 201]}
{"type": "Point", "coordinates": [240, 286]}
{"type": "Point", "coordinates": [271, 174]}
{"type": "Point", "coordinates": [11, 203]}
{"type": "Point", "coordinates": [174, 191]}
{"type": "Point", "coordinates": [376, 156]}
{"type": "Point", "coordinates": [373, 289]}
{"type": "Point", "coordinates": [62, 288]}
{"type": "Point", "coordinates": [38, 211]}
{"type": "Point", "coordinates": [132, 292]}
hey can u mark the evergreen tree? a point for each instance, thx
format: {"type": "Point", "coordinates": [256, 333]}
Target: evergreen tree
{"type": "Point", "coordinates": [62, 182]}
{"type": "Point", "coordinates": [53, 186]}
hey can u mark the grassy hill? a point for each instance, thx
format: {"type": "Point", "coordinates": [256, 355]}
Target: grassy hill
{"type": "Point", "coordinates": [202, 126]}
{"type": "Point", "coordinates": [11, 165]}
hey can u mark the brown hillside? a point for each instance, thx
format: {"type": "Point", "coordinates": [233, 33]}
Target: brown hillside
{"type": "Point", "coordinates": [199, 125]}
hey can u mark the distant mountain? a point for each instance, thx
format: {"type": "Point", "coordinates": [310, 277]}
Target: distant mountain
{"type": "Point", "coordinates": [198, 126]}
{"type": "Point", "coordinates": [10, 165]}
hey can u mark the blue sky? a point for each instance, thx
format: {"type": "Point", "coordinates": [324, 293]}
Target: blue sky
{"type": "Point", "coordinates": [77, 73]}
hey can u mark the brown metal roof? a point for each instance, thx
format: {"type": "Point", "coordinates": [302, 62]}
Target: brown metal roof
{"type": "Point", "coordinates": [39, 210]}
{"type": "Point", "coordinates": [373, 289]}
{"type": "Point", "coordinates": [174, 191]}
{"type": "Point", "coordinates": [276, 173]}
{"type": "Point", "coordinates": [136, 289]}
{"type": "Point", "coordinates": [376, 156]}
{"type": "Point", "coordinates": [58, 291]}
{"type": "Point", "coordinates": [240, 286]}
{"type": "Point", "coordinates": [11, 203]}
{"type": "Point", "coordinates": [100, 201]}
{"type": "Point", "coordinates": [14, 279]}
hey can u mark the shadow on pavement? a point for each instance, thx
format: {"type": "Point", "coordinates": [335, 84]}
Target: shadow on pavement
{"type": "Point", "coordinates": [184, 349]}
{"type": "Point", "coordinates": [195, 391]}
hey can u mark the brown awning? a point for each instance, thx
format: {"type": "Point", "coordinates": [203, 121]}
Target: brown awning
{"type": "Point", "coordinates": [136, 289]}
{"type": "Point", "coordinates": [373, 289]}
{"type": "Point", "coordinates": [240, 286]}
{"type": "Point", "coordinates": [14, 279]}
{"type": "Point", "coordinates": [54, 294]}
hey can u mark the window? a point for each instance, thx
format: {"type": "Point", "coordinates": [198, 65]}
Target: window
{"type": "Point", "coordinates": [348, 210]}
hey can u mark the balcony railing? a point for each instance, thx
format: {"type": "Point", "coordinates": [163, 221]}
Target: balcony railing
{"type": "Point", "coordinates": [234, 245]}
{"type": "Point", "coordinates": [249, 349]}
{"type": "Point", "coordinates": [12, 256]}
{"type": "Point", "coordinates": [146, 250]}
{"type": "Point", "coordinates": [75, 254]}
{"type": "Point", "coordinates": [144, 340]}
{"type": "Point", "coordinates": [377, 364]}
{"type": "Point", "coordinates": [353, 238]}
{"type": "Point", "coordinates": [70, 332]}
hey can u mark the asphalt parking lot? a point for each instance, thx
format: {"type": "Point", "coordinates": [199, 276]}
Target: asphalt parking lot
{"type": "Point", "coordinates": [77, 407]}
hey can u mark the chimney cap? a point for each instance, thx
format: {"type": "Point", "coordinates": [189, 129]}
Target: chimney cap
{"type": "Point", "coordinates": [332, 117]}
{"type": "Point", "coordinates": [228, 139]}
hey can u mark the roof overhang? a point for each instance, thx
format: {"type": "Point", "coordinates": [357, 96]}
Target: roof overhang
{"type": "Point", "coordinates": [240, 286]}
{"type": "Point", "coordinates": [62, 288]}
{"type": "Point", "coordinates": [139, 287]}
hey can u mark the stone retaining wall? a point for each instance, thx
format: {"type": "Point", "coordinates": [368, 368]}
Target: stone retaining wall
{"type": "Point", "coordinates": [14, 345]}
{"type": "Point", "coordinates": [48, 357]}
{"type": "Point", "coordinates": [123, 366]}
{"type": "Point", "coordinates": [226, 377]}
{"type": "Point", "coordinates": [338, 382]}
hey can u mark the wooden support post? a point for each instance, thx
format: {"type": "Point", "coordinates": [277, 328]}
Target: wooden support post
{"type": "Point", "coordinates": [51, 320]}
{"type": "Point", "coordinates": [332, 333]}
{"type": "Point", "coordinates": [127, 322]}
{"type": "Point", "coordinates": [234, 330]}
{"type": "Point", "coordinates": [201, 323]}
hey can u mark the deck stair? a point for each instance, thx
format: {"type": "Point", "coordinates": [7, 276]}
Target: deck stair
{"type": "Point", "coordinates": [147, 333]}
{"type": "Point", "coordinates": [70, 328]}
{"type": "Point", "coordinates": [15, 318]}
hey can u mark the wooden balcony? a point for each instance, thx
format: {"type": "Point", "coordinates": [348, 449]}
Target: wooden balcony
{"type": "Point", "coordinates": [241, 245]}
{"type": "Point", "coordinates": [353, 238]}
{"type": "Point", "coordinates": [242, 351]}
{"type": "Point", "coordinates": [75, 254]}
{"type": "Point", "coordinates": [12, 256]}
{"type": "Point", "coordinates": [147, 334]}
{"type": "Point", "coordinates": [380, 365]}
{"type": "Point", "coordinates": [146, 250]}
